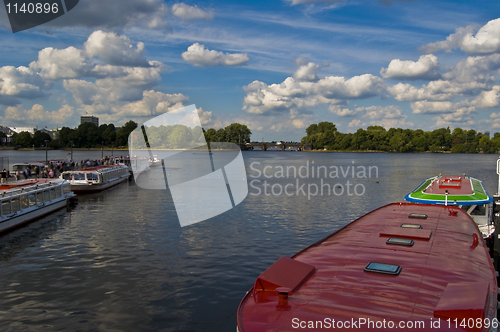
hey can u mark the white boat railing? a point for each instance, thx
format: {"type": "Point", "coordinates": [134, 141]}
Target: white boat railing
{"type": "Point", "coordinates": [31, 197]}
{"type": "Point", "coordinates": [95, 176]}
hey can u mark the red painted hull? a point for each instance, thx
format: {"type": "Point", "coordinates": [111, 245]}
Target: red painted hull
{"type": "Point", "coordinates": [446, 276]}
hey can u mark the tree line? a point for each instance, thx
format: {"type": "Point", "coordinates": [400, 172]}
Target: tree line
{"type": "Point", "coordinates": [325, 135]}
{"type": "Point", "coordinates": [88, 135]}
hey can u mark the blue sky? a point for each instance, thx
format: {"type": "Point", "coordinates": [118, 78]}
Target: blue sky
{"type": "Point", "coordinates": [276, 66]}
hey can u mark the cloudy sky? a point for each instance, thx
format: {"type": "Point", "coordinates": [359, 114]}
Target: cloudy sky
{"type": "Point", "coordinates": [276, 66]}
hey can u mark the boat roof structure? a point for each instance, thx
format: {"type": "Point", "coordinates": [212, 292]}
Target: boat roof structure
{"type": "Point", "coordinates": [450, 190]}
{"type": "Point", "coordinates": [404, 263]}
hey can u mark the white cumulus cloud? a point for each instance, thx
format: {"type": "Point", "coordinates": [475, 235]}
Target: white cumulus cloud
{"type": "Point", "coordinates": [486, 40]}
{"type": "Point", "coordinates": [115, 50]}
{"type": "Point", "coordinates": [54, 64]}
{"type": "Point", "coordinates": [488, 98]}
{"type": "Point", "coordinates": [186, 12]}
{"type": "Point", "coordinates": [301, 95]}
{"type": "Point", "coordinates": [198, 55]}
{"type": "Point", "coordinates": [308, 72]}
{"type": "Point", "coordinates": [22, 82]}
{"type": "Point", "coordinates": [424, 107]}
{"type": "Point", "coordinates": [427, 67]}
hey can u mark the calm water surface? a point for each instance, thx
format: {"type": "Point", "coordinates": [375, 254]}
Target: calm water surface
{"type": "Point", "coordinates": [119, 261]}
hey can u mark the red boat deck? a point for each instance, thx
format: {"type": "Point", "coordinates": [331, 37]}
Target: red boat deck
{"type": "Point", "coordinates": [455, 185]}
{"type": "Point", "coordinates": [446, 275]}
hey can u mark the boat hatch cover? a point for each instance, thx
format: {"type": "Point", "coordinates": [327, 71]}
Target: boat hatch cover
{"type": "Point", "coordinates": [422, 234]}
{"type": "Point", "coordinates": [463, 300]}
{"type": "Point", "coordinates": [414, 226]}
{"type": "Point", "coordinates": [285, 272]}
{"type": "Point", "coordinates": [417, 216]}
{"type": "Point", "coordinates": [400, 242]}
{"type": "Point", "coordinates": [383, 268]}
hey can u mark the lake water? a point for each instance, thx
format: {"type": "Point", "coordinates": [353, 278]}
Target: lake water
{"type": "Point", "coordinates": [119, 260]}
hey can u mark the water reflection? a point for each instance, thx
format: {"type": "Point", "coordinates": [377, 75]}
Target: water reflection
{"type": "Point", "coordinates": [120, 261]}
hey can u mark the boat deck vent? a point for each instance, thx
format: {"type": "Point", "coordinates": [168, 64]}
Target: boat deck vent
{"type": "Point", "coordinates": [383, 268]}
{"type": "Point", "coordinates": [414, 226]}
{"type": "Point", "coordinates": [417, 216]}
{"type": "Point", "coordinates": [400, 242]}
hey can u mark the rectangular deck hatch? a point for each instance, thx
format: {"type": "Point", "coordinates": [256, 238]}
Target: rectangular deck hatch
{"type": "Point", "coordinates": [417, 216]}
{"type": "Point", "coordinates": [401, 242]}
{"type": "Point", "coordinates": [414, 226]}
{"type": "Point", "coordinates": [285, 272]}
{"type": "Point", "coordinates": [383, 268]}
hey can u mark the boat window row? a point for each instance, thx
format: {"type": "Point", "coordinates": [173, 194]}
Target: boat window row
{"type": "Point", "coordinates": [114, 173]}
{"type": "Point", "coordinates": [24, 201]}
{"type": "Point", "coordinates": [81, 176]}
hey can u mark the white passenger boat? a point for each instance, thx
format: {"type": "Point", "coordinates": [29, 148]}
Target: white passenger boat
{"type": "Point", "coordinates": [24, 201]}
{"type": "Point", "coordinates": [97, 178]}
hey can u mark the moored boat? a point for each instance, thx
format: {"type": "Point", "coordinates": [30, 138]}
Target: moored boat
{"type": "Point", "coordinates": [134, 164]}
{"type": "Point", "coordinates": [403, 266]}
{"type": "Point", "coordinates": [94, 179]}
{"type": "Point", "coordinates": [463, 191]}
{"type": "Point", "coordinates": [24, 201]}
{"type": "Point", "coordinates": [154, 161]}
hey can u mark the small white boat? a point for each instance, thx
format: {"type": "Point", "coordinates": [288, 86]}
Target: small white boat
{"type": "Point", "coordinates": [134, 164]}
{"type": "Point", "coordinates": [154, 161]}
{"type": "Point", "coordinates": [94, 179]}
{"type": "Point", "coordinates": [24, 201]}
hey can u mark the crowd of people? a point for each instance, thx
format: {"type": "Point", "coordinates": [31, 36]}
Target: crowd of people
{"type": "Point", "coordinates": [52, 169]}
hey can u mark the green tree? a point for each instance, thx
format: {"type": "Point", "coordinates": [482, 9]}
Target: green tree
{"type": "Point", "coordinates": [124, 131]}
{"type": "Point", "coordinates": [211, 135]}
{"type": "Point", "coordinates": [23, 139]}
{"type": "Point", "coordinates": [486, 145]}
{"type": "Point", "coordinates": [40, 137]}
{"type": "Point", "coordinates": [321, 135]}
{"type": "Point", "coordinates": [237, 133]}
{"type": "Point", "coordinates": [180, 137]}
{"type": "Point", "coordinates": [109, 134]}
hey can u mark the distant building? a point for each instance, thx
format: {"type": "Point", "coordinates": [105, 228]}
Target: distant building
{"type": "Point", "coordinates": [487, 133]}
{"type": "Point", "coordinates": [7, 131]}
{"type": "Point", "coordinates": [91, 119]}
{"type": "Point", "coordinates": [50, 132]}
{"type": "Point", "coordinates": [18, 130]}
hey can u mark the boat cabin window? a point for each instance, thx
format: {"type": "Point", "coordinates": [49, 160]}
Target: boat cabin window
{"type": "Point", "coordinates": [39, 198]}
{"type": "Point", "coordinates": [6, 207]}
{"type": "Point", "coordinates": [67, 176]}
{"type": "Point", "coordinates": [92, 177]}
{"type": "Point", "coordinates": [24, 202]}
{"type": "Point", "coordinates": [78, 176]}
{"type": "Point", "coordinates": [46, 196]}
{"type": "Point", "coordinates": [16, 204]}
{"type": "Point", "coordinates": [479, 210]}
{"type": "Point", "coordinates": [31, 199]}
{"type": "Point", "coordinates": [52, 193]}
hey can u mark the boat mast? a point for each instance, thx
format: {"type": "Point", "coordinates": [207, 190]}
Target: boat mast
{"type": "Point", "coordinates": [498, 172]}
